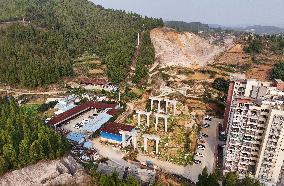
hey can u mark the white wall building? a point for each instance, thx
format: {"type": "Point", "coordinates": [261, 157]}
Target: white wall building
{"type": "Point", "coordinates": [255, 128]}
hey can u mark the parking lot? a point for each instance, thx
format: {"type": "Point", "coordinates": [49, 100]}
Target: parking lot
{"type": "Point", "coordinates": [209, 153]}
{"type": "Point", "coordinates": [70, 125]}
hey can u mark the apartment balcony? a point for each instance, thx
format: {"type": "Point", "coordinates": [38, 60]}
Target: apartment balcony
{"type": "Point", "coordinates": [245, 163]}
{"type": "Point", "coordinates": [246, 150]}
{"type": "Point", "coordinates": [257, 137]}
{"type": "Point", "coordinates": [273, 140]}
{"type": "Point", "coordinates": [271, 145]}
{"type": "Point", "coordinates": [250, 134]}
{"type": "Point", "coordinates": [264, 113]}
{"type": "Point", "coordinates": [254, 158]}
{"type": "Point", "coordinates": [262, 119]}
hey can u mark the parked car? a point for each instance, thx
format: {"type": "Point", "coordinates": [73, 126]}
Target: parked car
{"type": "Point", "coordinates": [208, 118]}
{"type": "Point", "coordinates": [78, 125]}
{"type": "Point", "coordinates": [197, 161]}
{"type": "Point", "coordinates": [199, 154]}
{"type": "Point", "coordinates": [85, 121]}
{"type": "Point", "coordinates": [206, 125]}
{"type": "Point", "coordinates": [204, 135]}
{"type": "Point", "coordinates": [200, 147]}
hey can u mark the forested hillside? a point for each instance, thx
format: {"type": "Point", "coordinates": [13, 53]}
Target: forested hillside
{"type": "Point", "coordinates": [187, 27]}
{"type": "Point", "coordinates": [24, 139]}
{"type": "Point", "coordinates": [74, 27]}
{"type": "Point", "coordinates": [31, 57]}
{"type": "Point", "coordinates": [145, 59]}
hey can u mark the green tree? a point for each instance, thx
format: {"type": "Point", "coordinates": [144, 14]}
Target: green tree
{"type": "Point", "coordinates": [24, 138]}
{"type": "Point", "coordinates": [106, 181]}
{"type": "Point", "coordinates": [203, 178]}
{"type": "Point", "coordinates": [221, 84]}
{"type": "Point", "coordinates": [24, 156]}
{"type": "Point", "coordinates": [131, 181]}
{"type": "Point", "coordinates": [254, 46]}
{"type": "Point", "coordinates": [10, 155]}
{"type": "Point", "coordinates": [248, 181]}
{"type": "Point", "coordinates": [3, 165]}
{"type": "Point", "coordinates": [231, 179]}
{"type": "Point", "coordinates": [278, 71]}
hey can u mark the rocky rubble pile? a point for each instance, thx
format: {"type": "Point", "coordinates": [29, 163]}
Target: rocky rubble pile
{"type": "Point", "coordinates": [65, 171]}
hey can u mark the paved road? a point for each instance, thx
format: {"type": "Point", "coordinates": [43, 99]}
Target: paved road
{"type": "Point", "coordinates": [123, 117]}
{"type": "Point", "coordinates": [191, 171]}
{"type": "Point", "coordinates": [117, 163]}
{"type": "Point", "coordinates": [20, 92]}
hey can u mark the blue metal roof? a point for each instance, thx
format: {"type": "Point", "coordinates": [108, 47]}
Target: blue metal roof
{"type": "Point", "coordinates": [64, 106]}
{"type": "Point", "coordinates": [97, 122]}
{"type": "Point", "coordinates": [76, 137]}
{"type": "Point", "coordinates": [88, 145]}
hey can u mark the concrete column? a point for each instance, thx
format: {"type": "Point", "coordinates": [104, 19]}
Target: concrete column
{"type": "Point", "coordinates": [157, 146]}
{"type": "Point", "coordinates": [159, 105]}
{"type": "Point", "coordinates": [152, 101]}
{"type": "Point", "coordinates": [166, 124]}
{"type": "Point", "coordinates": [134, 141]}
{"type": "Point", "coordinates": [167, 104]}
{"type": "Point", "coordinates": [157, 121]}
{"type": "Point", "coordinates": [145, 144]}
{"type": "Point", "coordinates": [123, 139]}
{"type": "Point", "coordinates": [148, 118]}
{"type": "Point", "coordinates": [139, 119]}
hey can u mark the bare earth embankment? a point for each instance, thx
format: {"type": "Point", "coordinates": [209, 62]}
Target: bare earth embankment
{"type": "Point", "coordinates": [184, 49]}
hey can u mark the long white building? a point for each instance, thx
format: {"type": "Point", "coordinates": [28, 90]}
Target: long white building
{"type": "Point", "coordinates": [254, 120]}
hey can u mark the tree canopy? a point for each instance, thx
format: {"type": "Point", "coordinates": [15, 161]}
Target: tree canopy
{"type": "Point", "coordinates": [31, 57]}
{"type": "Point", "coordinates": [278, 71]}
{"type": "Point", "coordinates": [24, 139]}
{"type": "Point", "coordinates": [70, 28]}
{"type": "Point", "coordinates": [221, 84]}
{"type": "Point", "coordinates": [145, 58]}
{"type": "Point", "coordinates": [232, 179]}
{"type": "Point", "coordinates": [205, 179]}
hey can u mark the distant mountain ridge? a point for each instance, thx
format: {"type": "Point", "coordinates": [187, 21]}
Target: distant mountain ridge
{"type": "Point", "coordinates": [197, 26]}
{"type": "Point", "coordinates": [258, 29]}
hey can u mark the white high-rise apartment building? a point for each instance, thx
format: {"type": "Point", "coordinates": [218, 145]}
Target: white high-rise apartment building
{"type": "Point", "coordinates": [254, 119]}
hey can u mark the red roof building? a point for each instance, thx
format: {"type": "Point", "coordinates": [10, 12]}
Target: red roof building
{"type": "Point", "coordinates": [114, 128]}
{"type": "Point", "coordinates": [69, 114]}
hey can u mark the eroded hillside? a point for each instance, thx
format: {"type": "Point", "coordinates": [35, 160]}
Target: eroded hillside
{"type": "Point", "coordinates": [185, 49]}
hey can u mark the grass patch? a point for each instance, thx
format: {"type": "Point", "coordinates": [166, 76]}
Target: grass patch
{"type": "Point", "coordinates": [30, 108]}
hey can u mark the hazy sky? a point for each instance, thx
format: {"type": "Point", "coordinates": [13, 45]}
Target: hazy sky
{"type": "Point", "coordinates": [224, 12]}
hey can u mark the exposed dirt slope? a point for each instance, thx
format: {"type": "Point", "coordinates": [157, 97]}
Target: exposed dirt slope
{"type": "Point", "coordinates": [65, 171]}
{"type": "Point", "coordinates": [184, 49]}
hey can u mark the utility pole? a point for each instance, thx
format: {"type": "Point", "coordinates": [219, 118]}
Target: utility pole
{"type": "Point", "coordinates": [138, 40]}
{"type": "Point", "coordinates": [119, 97]}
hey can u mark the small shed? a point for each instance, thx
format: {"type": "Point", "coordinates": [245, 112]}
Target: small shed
{"type": "Point", "coordinates": [111, 132]}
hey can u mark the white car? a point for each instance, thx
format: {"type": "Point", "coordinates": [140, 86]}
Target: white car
{"type": "Point", "coordinates": [199, 154]}
{"type": "Point", "coordinates": [76, 126]}
{"type": "Point", "coordinates": [200, 146]}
